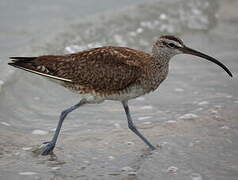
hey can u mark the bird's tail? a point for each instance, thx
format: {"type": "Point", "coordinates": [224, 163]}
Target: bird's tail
{"type": "Point", "coordinates": [22, 62]}
{"type": "Point", "coordinates": [35, 65]}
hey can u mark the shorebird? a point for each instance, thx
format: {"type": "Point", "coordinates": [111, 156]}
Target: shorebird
{"type": "Point", "coordinates": [109, 73]}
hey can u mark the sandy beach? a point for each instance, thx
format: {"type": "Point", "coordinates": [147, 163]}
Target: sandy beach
{"type": "Point", "coordinates": [191, 118]}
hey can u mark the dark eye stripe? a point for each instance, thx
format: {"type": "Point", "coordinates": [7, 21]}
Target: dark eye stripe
{"type": "Point", "coordinates": [170, 45]}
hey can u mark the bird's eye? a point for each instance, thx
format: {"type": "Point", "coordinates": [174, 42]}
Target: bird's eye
{"type": "Point", "coordinates": [171, 45]}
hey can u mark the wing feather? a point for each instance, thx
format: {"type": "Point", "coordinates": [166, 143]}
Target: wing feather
{"type": "Point", "coordinates": [107, 68]}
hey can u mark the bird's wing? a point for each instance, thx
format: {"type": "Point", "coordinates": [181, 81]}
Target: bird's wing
{"type": "Point", "coordinates": [100, 69]}
{"type": "Point", "coordinates": [106, 68]}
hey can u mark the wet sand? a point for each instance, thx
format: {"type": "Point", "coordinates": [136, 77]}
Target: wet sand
{"type": "Point", "coordinates": [192, 118]}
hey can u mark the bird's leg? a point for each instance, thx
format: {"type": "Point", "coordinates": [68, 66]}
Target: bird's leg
{"type": "Point", "coordinates": [133, 127]}
{"type": "Point", "coordinates": [50, 145]}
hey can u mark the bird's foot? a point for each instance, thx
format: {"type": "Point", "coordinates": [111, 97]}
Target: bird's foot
{"type": "Point", "coordinates": [152, 148]}
{"type": "Point", "coordinates": [47, 148]}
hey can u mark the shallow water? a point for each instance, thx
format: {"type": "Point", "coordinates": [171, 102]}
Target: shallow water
{"type": "Point", "coordinates": [192, 116]}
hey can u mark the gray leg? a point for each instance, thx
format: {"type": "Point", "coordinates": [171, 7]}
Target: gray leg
{"type": "Point", "coordinates": [50, 145]}
{"type": "Point", "coordinates": [133, 127]}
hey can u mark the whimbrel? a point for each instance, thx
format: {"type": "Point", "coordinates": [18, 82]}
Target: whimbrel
{"type": "Point", "coordinates": [109, 73]}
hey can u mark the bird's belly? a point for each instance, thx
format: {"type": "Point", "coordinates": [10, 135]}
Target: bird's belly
{"type": "Point", "coordinates": [127, 94]}
{"type": "Point", "coordinates": [116, 95]}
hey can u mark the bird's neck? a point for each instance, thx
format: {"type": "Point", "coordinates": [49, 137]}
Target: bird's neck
{"type": "Point", "coordinates": [161, 57]}
{"type": "Point", "coordinates": [159, 67]}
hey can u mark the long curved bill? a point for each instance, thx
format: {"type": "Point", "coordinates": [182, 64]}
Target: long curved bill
{"type": "Point", "coordinates": [187, 50]}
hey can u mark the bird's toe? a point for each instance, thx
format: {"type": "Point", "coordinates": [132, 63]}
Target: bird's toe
{"type": "Point", "coordinates": [48, 148]}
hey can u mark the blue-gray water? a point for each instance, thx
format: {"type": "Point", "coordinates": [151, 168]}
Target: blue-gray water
{"type": "Point", "coordinates": [193, 114]}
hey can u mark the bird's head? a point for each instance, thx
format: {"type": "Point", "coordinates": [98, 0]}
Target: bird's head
{"type": "Point", "coordinates": [169, 46]}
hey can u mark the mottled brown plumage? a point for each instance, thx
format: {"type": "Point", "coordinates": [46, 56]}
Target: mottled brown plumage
{"type": "Point", "coordinates": [100, 71]}
{"type": "Point", "coordinates": [109, 73]}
